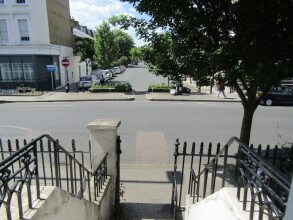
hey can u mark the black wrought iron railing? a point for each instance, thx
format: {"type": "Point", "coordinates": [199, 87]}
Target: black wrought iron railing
{"type": "Point", "coordinates": [248, 171]}
{"type": "Point", "coordinates": [44, 161]}
{"type": "Point", "coordinates": [8, 147]}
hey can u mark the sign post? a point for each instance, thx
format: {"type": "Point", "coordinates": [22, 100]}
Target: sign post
{"type": "Point", "coordinates": [51, 69]}
{"type": "Point", "coordinates": [65, 62]}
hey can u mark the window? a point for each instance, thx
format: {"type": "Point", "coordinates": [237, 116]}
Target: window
{"type": "Point", "coordinates": [17, 72]}
{"type": "Point", "coordinates": [5, 71]}
{"type": "Point", "coordinates": [28, 72]}
{"type": "Point", "coordinates": [23, 30]}
{"type": "Point", "coordinates": [17, 69]}
{"type": "Point", "coordinates": [3, 31]}
{"type": "Point", "coordinates": [20, 1]}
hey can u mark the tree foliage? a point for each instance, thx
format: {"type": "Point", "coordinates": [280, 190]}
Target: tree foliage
{"type": "Point", "coordinates": [124, 43]}
{"type": "Point", "coordinates": [112, 47]}
{"type": "Point", "coordinates": [136, 54]}
{"type": "Point", "coordinates": [249, 42]}
{"type": "Point", "coordinates": [84, 47]}
{"type": "Point", "coordinates": [105, 47]}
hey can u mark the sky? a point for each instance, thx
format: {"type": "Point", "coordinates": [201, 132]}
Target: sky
{"type": "Point", "coordinates": [92, 13]}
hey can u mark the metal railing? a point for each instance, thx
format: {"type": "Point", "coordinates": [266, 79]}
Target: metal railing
{"type": "Point", "coordinates": [10, 146]}
{"type": "Point", "coordinates": [31, 167]}
{"type": "Point", "coordinates": [269, 188]}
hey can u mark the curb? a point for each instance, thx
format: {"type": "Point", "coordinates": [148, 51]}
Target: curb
{"type": "Point", "coordinates": [184, 100]}
{"type": "Point", "coordinates": [76, 100]}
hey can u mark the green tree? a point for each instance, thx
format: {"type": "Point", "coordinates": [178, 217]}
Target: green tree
{"type": "Point", "coordinates": [124, 43]}
{"type": "Point", "coordinates": [105, 46]}
{"type": "Point", "coordinates": [136, 54]}
{"type": "Point", "coordinates": [159, 56]}
{"type": "Point", "coordinates": [84, 47]}
{"type": "Point", "coordinates": [250, 42]}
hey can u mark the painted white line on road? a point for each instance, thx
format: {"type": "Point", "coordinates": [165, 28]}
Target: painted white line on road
{"type": "Point", "coordinates": [17, 127]}
{"type": "Point", "coordinates": [40, 105]}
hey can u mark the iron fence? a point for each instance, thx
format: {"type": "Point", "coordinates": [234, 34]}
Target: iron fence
{"type": "Point", "coordinates": [44, 161]}
{"type": "Point", "coordinates": [211, 169]}
{"type": "Point", "coordinates": [9, 146]}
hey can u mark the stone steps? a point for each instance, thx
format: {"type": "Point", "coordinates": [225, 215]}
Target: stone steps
{"type": "Point", "coordinates": [222, 205]}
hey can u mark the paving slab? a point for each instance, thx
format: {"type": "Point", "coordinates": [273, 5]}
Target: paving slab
{"type": "Point", "coordinates": [69, 97]}
{"type": "Point", "coordinates": [195, 96]}
{"type": "Point", "coordinates": [146, 191]}
{"type": "Point", "coordinates": [192, 97]}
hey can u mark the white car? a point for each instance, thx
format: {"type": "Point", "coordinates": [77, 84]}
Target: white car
{"type": "Point", "coordinates": [86, 82]}
{"type": "Point", "coordinates": [117, 70]}
{"type": "Point", "coordinates": [106, 74]}
{"type": "Point", "coordinates": [122, 67]}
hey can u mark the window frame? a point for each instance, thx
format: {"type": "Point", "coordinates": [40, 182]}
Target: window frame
{"type": "Point", "coordinates": [7, 27]}
{"type": "Point", "coordinates": [28, 29]}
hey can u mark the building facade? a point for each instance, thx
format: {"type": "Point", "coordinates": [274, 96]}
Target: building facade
{"type": "Point", "coordinates": [34, 34]}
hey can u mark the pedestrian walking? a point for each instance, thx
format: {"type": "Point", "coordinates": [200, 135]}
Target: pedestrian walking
{"type": "Point", "coordinates": [221, 88]}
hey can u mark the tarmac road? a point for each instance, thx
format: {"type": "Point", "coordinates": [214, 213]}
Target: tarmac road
{"type": "Point", "coordinates": [148, 129]}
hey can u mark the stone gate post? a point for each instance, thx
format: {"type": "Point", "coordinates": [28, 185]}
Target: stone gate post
{"type": "Point", "coordinates": [103, 135]}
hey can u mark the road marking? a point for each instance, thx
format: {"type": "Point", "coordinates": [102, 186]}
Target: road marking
{"type": "Point", "coordinates": [17, 127]}
{"type": "Point", "coordinates": [40, 105]}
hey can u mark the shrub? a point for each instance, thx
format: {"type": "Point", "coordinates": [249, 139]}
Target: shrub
{"type": "Point", "coordinates": [159, 88]}
{"type": "Point", "coordinates": [113, 87]}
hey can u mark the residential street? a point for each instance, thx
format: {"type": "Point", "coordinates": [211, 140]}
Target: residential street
{"type": "Point", "coordinates": [134, 110]}
{"type": "Point", "coordinates": [148, 128]}
{"type": "Point", "coordinates": [148, 132]}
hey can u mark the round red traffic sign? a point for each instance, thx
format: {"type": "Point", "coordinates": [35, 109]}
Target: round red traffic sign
{"type": "Point", "coordinates": [65, 62]}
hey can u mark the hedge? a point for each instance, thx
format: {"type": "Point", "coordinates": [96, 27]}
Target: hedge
{"type": "Point", "coordinates": [159, 88]}
{"type": "Point", "coordinates": [116, 87]}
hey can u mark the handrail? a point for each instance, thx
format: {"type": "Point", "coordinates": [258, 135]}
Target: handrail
{"type": "Point", "coordinates": [285, 181]}
{"type": "Point", "coordinates": [267, 185]}
{"type": "Point", "coordinates": [57, 168]}
{"type": "Point", "coordinates": [30, 145]}
{"type": "Point", "coordinates": [174, 198]}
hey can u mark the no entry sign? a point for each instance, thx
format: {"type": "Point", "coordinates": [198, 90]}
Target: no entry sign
{"type": "Point", "coordinates": [65, 62]}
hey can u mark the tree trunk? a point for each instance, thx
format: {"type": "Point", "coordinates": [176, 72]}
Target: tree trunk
{"type": "Point", "coordinates": [246, 125]}
{"type": "Point", "coordinates": [86, 67]}
{"type": "Point", "coordinates": [249, 104]}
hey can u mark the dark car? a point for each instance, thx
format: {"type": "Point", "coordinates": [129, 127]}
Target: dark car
{"type": "Point", "coordinates": [180, 89]}
{"type": "Point", "coordinates": [277, 96]}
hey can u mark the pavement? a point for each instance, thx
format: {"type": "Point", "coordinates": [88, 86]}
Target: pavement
{"type": "Point", "coordinates": [62, 96]}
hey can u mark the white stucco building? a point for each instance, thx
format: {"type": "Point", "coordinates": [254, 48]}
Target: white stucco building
{"type": "Point", "coordinates": [33, 34]}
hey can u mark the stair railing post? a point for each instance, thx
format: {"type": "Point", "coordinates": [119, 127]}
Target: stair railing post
{"type": "Point", "coordinates": [103, 138]}
{"type": "Point", "coordinates": [56, 164]}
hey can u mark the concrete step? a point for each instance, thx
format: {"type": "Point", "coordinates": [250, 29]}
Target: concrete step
{"type": "Point", "coordinates": [222, 205]}
{"type": "Point", "coordinates": [49, 197]}
{"type": "Point", "coordinates": [45, 191]}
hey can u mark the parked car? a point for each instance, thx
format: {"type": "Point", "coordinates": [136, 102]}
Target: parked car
{"type": "Point", "coordinates": [98, 73]}
{"type": "Point", "coordinates": [107, 75]}
{"type": "Point", "coordinates": [117, 70]}
{"type": "Point", "coordinates": [122, 68]}
{"type": "Point", "coordinates": [113, 72]}
{"type": "Point", "coordinates": [276, 96]}
{"type": "Point", "coordinates": [86, 82]}
{"type": "Point", "coordinates": [179, 89]}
